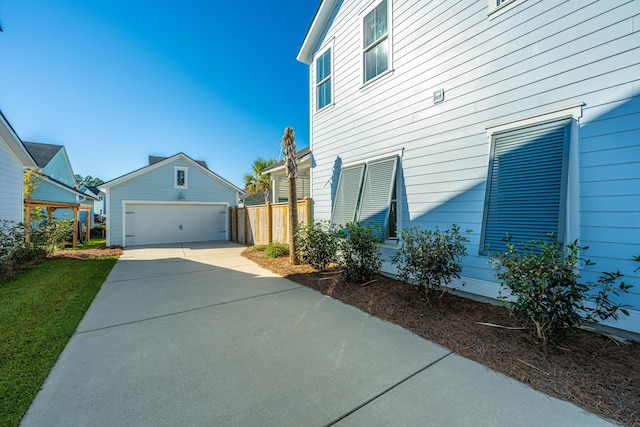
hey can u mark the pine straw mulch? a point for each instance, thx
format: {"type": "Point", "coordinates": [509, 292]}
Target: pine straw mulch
{"type": "Point", "coordinates": [590, 370]}
{"type": "Point", "coordinates": [87, 253]}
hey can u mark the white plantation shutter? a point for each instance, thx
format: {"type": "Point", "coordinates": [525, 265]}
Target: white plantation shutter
{"type": "Point", "coordinates": [526, 186]}
{"type": "Point", "coordinates": [346, 201]}
{"type": "Point", "coordinates": [377, 190]}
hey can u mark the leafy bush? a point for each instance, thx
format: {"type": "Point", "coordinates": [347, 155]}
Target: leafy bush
{"type": "Point", "coordinates": [429, 259]}
{"type": "Point", "coordinates": [276, 249]}
{"type": "Point", "coordinates": [358, 256]}
{"type": "Point", "coordinates": [544, 283]}
{"type": "Point", "coordinates": [17, 254]}
{"type": "Point", "coordinates": [317, 244]}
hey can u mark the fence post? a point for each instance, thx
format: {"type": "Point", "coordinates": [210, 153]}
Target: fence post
{"type": "Point", "coordinates": [307, 205]}
{"type": "Point", "coordinates": [246, 239]}
{"type": "Point", "coordinates": [269, 223]}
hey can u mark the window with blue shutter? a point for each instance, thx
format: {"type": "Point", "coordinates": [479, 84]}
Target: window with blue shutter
{"type": "Point", "coordinates": [526, 185]}
{"type": "Point", "coordinates": [366, 193]}
{"type": "Point", "coordinates": [377, 189]}
{"type": "Point", "coordinates": [347, 195]}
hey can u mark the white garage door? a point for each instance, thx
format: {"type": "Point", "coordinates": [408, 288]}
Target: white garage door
{"type": "Point", "coordinates": [147, 224]}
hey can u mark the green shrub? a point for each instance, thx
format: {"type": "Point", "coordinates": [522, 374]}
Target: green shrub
{"type": "Point", "coordinates": [358, 254]}
{"type": "Point", "coordinates": [545, 293]}
{"type": "Point", "coordinates": [16, 253]}
{"type": "Point", "coordinates": [317, 244]}
{"type": "Point", "coordinates": [276, 249]}
{"type": "Point", "coordinates": [429, 259]}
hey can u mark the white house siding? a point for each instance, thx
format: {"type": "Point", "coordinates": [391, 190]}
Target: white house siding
{"type": "Point", "coordinates": [157, 185]}
{"type": "Point", "coordinates": [537, 57]}
{"type": "Point", "coordinates": [10, 185]}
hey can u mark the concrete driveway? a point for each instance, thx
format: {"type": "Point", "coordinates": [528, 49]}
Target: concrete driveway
{"type": "Point", "coordinates": [196, 335]}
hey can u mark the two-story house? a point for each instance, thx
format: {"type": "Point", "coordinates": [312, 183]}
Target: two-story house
{"type": "Point", "coordinates": [13, 158]}
{"type": "Point", "coordinates": [57, 183]}
{"type": "Point", "coordinates": [502, 116]}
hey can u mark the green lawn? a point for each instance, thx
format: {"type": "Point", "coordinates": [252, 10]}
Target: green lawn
{"type": "Point", "coordinates": [39, 311]}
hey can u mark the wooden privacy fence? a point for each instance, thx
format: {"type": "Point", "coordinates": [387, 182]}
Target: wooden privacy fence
{"type": "Point", "coordinates": [263, 224]}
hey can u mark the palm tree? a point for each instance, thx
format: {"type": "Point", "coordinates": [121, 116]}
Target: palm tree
{"type": "Point", "coordinates": [291, 163]}
{"type": "Point", "coordinates": [256, 181]}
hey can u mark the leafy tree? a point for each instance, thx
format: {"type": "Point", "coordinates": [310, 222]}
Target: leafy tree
{"type": "Point", "coordinates": [88, 181]}
{"type": "Point", "coordinates": [256, 181]}
{"type": "Point", "coordinates": [31, 178]}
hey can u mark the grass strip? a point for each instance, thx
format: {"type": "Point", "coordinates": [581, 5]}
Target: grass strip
{"type": "Point", "coordinates": [39, 312]}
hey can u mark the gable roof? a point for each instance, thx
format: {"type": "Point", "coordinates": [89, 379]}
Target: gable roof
{"type": "Point", "coordinates": [11, 139]}
{"type": "Point", "coordinates": [301, 155]}
{"type": "Point", "coordinates": [66, 187]}
{"type": "Point", "coordinates": [161, 163]}
{"type": "Point", "coordinates": [94, 190]}
{"type": "Point", "coordinates": [320, 20]}
{"type": "Point", "coordinates": [42, 153]}
{"type": "Point", "coordinates": [156, 159]}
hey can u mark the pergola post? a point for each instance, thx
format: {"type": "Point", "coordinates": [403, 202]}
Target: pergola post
{"type": "Point", "coordinates": [74, 242]}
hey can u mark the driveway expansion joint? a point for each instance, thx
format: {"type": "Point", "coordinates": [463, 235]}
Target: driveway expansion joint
{"type": "Point", "coordinates": [186, 311]}
{"type": "Point", "coordinates": [388, 389]}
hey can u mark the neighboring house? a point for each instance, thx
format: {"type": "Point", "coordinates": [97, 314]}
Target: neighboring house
{"type": "Point", "coordinates": [280, 182]}
{"type": "Point", "coordinates": [502, 116]}
{"type": "Point", "coordinates": [13, 158]}
{"type": "Point", "coordinates": [175, 199]}
{"type": "Point", "coordinates": [98, 204]}
{"type": "Point", "coordinates": [57, 181]}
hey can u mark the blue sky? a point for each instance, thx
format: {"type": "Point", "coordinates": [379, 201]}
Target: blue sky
{"type": "Point", "coordinates": [116, 81]}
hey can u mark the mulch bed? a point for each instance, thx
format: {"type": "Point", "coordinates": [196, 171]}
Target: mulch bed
{"type": "Point", "coordinates": [87, 253]}
{"type": "Point", "coordinates": [585, 368]}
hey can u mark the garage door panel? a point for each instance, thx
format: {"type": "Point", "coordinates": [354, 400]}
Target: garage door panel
{"type": "Point", "coordinates": [168, 223]}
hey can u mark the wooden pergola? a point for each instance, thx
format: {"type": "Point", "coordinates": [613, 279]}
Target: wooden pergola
{"type": "Point", "coordinates": [51, 208]}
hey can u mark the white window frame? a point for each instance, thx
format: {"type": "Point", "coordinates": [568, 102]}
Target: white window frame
{"type": "Point", "coordinates": [571, 225]}
{"type": "Point", "coordinates": [175, 177]}
{"type": "Point", "coordinates": [498, 7]}
{"type": "Point", "coordinates": [386, 39]}
{"type": "Point", "coordinates": [329, 78]}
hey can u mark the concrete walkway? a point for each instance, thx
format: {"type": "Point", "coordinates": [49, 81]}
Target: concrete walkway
{"type": "Point", "coordinates": [196, 335]}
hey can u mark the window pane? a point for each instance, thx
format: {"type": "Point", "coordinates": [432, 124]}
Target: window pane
{"type": "Point", "coordinates": [180, 178]}
{"type": "Point", "coordinates": [376, 61]}
{"type": "Point", "coordinates": [375, 24]}
{"type": "Point", "coordinates": [323, 66]}
{"type": "Point", "coordinates": [324, 94]}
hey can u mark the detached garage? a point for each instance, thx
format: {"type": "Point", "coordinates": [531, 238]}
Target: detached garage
{"type": "Point", "coordinates": [172, 200]}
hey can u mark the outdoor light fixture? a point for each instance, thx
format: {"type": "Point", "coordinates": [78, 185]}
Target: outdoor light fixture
{"type": "Point", "coordinates": [181, 196]}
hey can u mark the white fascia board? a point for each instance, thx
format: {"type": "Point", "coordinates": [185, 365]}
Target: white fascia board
{"type": "Point", "coordinates": [168, 160]}
{"type": "Point", "coordinates": [11, 139]}
{"type": "Point", "coordinates": [301, 162]}
{"type": "Point", "coordinates": [315, 30]}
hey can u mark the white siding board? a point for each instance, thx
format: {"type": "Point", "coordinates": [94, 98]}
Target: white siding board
{"type": "Point", "coordinates": [10, 185]}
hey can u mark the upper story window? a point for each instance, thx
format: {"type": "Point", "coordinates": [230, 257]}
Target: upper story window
{"type": "Point", "coordinates": [323, 80]}
{"type": "Point", "coordinates": [376, 41]}
{"type": "Point", "coordinates": [180, 177]}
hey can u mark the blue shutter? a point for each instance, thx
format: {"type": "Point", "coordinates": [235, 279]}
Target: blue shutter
{"type": "Point", "coordinates": [377, 189]}
{"type": "Point", "coordinates": [526, 186]}
{"type": "Point", "coordinates": [346, 202]}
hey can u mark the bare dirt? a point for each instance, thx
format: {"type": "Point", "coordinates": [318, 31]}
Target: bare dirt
{"type": "Point", "coordinates": [588, 369]}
